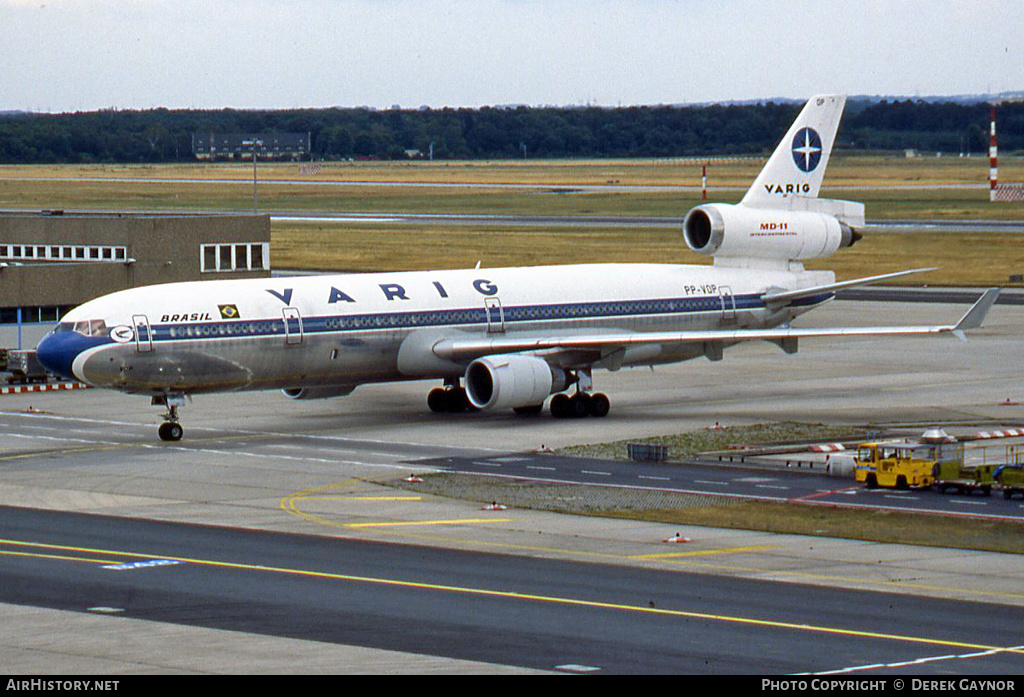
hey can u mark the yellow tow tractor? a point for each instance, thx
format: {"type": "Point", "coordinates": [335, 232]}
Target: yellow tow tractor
{"type": "Point", "coordinates": [898, 465]}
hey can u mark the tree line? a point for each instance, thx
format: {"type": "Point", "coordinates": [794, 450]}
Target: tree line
{"type": "Point", "coordinates": [164, 135]}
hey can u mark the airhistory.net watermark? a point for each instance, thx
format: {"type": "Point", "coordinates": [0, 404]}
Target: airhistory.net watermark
{"type": "Point", "coordinates": [50, 685]}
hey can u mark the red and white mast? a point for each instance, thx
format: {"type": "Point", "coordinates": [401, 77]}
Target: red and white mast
{"type": "Point", "coordinates": [992, 156]}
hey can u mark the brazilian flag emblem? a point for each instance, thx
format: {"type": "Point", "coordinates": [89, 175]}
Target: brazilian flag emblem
{"type": "Point", "coordinates": [228, 312]}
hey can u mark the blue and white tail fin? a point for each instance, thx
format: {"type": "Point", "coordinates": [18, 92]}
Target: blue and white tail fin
{"type": "Point", "coordinates": [781, 221]}
{"type": "Point", "coordinates": [797, 166]}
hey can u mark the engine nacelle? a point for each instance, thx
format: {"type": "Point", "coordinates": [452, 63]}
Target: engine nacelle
{"type": "Point", "coordinates": [725, 230]}
{"type": "Point", "coordinates": [319, 392]}
{"type": "Point", "coordinates": [507, 382]}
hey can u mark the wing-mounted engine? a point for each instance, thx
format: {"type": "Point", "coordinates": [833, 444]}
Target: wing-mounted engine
{"type": "Point", "coordinates": [737, 231]}
{"type": "Point", "coordinates": [512, 381]}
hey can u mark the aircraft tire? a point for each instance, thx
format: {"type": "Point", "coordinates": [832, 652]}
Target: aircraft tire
{"type": "Point", "coordinates": [579, 405]}
{"type": "Point", "coordinates": [458, 401]}
{"type": "Point", "coordinates": [171, 431]}
{"type": "Point", "coordinates": [437, 400]}
{"type": "Point", "coordinates": [560, 405]}
{"type": "Point", "coordinates": [599, 405]}
{"type": "Point", "coordinates": [449, 400]}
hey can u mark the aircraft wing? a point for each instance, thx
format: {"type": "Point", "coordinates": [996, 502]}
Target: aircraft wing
{"type": "Point", "coordinates": [464, 349]}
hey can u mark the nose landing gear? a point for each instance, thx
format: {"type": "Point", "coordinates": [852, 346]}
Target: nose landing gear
{"type": "Point", "coordinates": [170, 429]}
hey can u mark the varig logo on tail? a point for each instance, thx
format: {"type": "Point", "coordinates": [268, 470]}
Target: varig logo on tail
{"type": "Point", "coordinates": [797, 166]}
{"type": "Point", "coordinates": [807, 149]}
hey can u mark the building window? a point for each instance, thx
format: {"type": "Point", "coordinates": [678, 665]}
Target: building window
{"type": "Point", "coordinates": [58, 253]}
{"type": "Point", "coordinates": [253, 256]}
{"type": "Point", "coordinates": [33, 315]}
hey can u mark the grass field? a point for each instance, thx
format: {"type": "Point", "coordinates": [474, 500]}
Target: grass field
{"type": "Point", "coordinates": [844, 170]}
{"type": "Point", "coordinates": [918, 189]}
{"type": "Point", "coordinates": [708, 510]}
{"type": "Point", "coordinates": [964, 258]}
{"type": "Point", "coordinates": [718, 512]}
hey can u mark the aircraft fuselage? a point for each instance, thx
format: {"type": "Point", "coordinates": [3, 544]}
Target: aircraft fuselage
{"type": "Point", "coordinates": [350, 329]}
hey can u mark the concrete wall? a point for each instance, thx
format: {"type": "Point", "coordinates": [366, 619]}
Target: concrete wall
{"type": "Point", "coordinates": [165, 248]}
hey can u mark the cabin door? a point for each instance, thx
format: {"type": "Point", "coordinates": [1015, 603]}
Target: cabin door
{"type": "Point", "coordinates": [292, 326]}
{"type": "Point", "coordinates": [143, 335]}
{"type": "Point", "coordinates": [495, 316]}
{"type": "Point", "coordinates": [728, 304]}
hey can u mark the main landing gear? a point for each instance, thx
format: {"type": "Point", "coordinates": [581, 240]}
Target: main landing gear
{"type": "Point", "coordinates": [579, 405]}
{"type": "Point", "coordinates": [170, 429]}
{"type": "Point", "coordinates": [451, 398]}
{"type": "Point", "coordinates": [585, 402]}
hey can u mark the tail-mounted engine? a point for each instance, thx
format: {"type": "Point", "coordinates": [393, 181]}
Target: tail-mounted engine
{"type": "Point", "coordinates": [724, 230]}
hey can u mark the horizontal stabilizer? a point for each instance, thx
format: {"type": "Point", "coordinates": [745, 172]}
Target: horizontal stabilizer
{"type": "Point", "coordinates": [786, 296]}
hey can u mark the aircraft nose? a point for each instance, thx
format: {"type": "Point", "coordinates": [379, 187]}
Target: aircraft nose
{"type": "Point", "coordinates": [57, 351]}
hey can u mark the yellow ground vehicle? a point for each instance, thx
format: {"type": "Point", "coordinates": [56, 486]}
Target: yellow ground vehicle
{"type": "Point", "coordinates": [1010, 479]}
{"type": "Point", "coordinates": [897, 465]}
{"type": "Point", "coordinates": [963, 478]}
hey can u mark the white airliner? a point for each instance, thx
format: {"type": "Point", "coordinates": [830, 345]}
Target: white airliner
{"type": "Point", "coordinates": [512, 336]}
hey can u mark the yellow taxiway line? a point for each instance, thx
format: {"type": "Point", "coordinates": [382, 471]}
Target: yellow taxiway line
{"type": "Point", "coordinates": [531, 597]}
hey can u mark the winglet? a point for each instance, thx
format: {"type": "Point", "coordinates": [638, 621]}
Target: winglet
{"type": "Point", "coordinates": [974, 317]}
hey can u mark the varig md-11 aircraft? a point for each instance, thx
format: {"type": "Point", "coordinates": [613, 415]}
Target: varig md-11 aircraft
{"type": "Point", "coordinates": [512, 336]}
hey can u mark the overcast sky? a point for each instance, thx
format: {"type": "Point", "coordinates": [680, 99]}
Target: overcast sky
{"type": "Point", "coordinates": [71, 55]}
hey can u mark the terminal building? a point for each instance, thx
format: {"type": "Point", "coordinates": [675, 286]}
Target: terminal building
{"type": "Point", "coordinates": [52, 261]}
{"type": "Point", "coordinates": [238, 146]}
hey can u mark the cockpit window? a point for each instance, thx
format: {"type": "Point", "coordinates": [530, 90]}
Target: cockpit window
{"type": "Point", "coordinates": [91, 327]}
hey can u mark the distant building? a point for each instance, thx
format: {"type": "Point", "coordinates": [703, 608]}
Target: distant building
{"type": "Point", "coordinates": [238, 146]}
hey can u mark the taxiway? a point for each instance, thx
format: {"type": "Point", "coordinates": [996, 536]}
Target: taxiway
{"type": "Point", "coordinates": [256, 465]}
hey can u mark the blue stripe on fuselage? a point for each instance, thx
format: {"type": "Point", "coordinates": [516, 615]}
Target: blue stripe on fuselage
{"type": "Point", "coordinates": [58, 350]}
{"type": "Point", "coordinates": [509, 315]}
